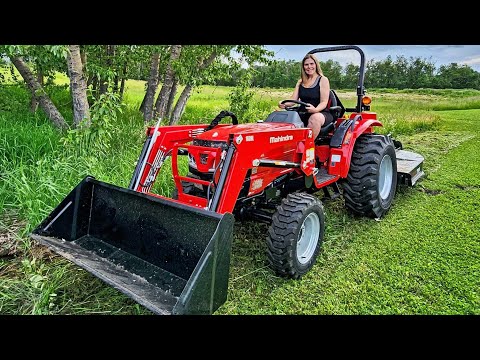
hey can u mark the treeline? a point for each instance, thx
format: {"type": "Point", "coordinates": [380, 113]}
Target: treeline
{"type": "Point", "coordinates": [401, 73]}
{"type": "Point", "coordinates": [98, 73]}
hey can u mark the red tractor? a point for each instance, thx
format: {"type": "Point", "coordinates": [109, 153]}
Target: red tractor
{"type": "Point", "coordinates": [172, 254]}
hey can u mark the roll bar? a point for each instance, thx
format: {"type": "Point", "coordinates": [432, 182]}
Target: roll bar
{"type": "Point", "coordinates": [361, 75]}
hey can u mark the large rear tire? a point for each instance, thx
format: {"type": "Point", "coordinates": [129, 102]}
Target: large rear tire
{"type": "Point", "coordinates": [372, 178]}
{"type": "Point", "coordinates": [295, 235]}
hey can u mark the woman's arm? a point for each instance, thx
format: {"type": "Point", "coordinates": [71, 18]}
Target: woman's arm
{"type": "Point", "coordinates": [295, 91]}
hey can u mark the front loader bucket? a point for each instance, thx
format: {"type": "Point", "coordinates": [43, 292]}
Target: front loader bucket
{"type": "Point", "coordinates": [169, 257]}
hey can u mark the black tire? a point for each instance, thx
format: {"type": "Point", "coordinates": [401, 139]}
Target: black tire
{"type": "Point", "coordinates": [300, 217]}
{"type": "Point", "coordinates": [372, 179]}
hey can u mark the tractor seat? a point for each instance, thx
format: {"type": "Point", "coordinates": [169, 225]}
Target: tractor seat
{"type": "Point", "coordinates": [337, 109]}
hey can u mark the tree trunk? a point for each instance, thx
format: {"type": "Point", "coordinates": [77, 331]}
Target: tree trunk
{"type": "Point", "coordinates": [110, 51]}
{"type": "Point", "coordinates": [163, 97]}
{"type": "Point", "coordinates": [78, 86]}
{"type": "Point", "coordinates": [103, 86]}
{"type": "Point", "coordinates": [115, 84]}
{"type": "Point", "coordinates": [37, 90]}
{"type": "Point", "coordinates": [83, 57]}
{"type": "Point", "coordinates": [34, 100]}
{"type": "Point", "coordinates": [168, 112]}
{"type": "Point", "coordinates": [151, 88]}
{"type": "Point", "coordinates": [181, 104]}
{"type": "Point", "coordinates": [182, 100]}
{"type": "Point", "coordinates": [116, 79]}
{"type": "Point", "coordinates": [122, 83]}
{"type": "Point", "coordinates": [142, 105]}
{"type": "Point", "coordinates": [95, 86]}
{"type": "Point", "coordinates": [90, 79]}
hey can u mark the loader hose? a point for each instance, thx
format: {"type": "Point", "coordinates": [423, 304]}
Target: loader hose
{"type": "Point", "coordinates": [219, 117]}
{"type": "Point", "coordinates": [212, 183]}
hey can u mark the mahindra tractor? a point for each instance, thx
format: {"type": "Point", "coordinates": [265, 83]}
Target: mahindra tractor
{"type": "Point", "coordinates": [172, 253]}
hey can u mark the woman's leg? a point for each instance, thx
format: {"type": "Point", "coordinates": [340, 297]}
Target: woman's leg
{"type": "Point", "coordinates": [315, 122]}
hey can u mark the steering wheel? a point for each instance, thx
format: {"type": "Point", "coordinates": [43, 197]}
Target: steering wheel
{"type": "Point", "coordinates": [294, 107]}
{"type": "Point", "coordinates": [219, 117]}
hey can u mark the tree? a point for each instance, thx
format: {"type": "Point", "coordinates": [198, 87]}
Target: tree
{"type": "Point", "coordinates": [202, 63]}
{"type": "Point", "coordinates": [456, 76]}
{"type": "Point", "coordinates": [48, 58]}
{"type": "Point", "coordinates": [350, 77]}
{"type": "Point", "coordinates": [152, 84]}
{"type": "Point", "coordinates": [420, 73]}
{"type": "Point", "coordinates": [333, 70]}
{"type": "Point", "coordinates": [39, 93]}
{"type": "Point", "coordinates": [381, 74]}
{"type": "Point", "coordinates": [78, 86]}
{"type": "Point", "coordinates": [168, 80]}
{"type": "Point", "coordinates": [196, 65]}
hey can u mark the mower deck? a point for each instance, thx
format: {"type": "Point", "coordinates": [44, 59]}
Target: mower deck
{"type": "Point", "coordinates": [409, 166]}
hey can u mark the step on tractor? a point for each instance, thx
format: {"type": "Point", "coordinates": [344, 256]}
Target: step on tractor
{"type": "Point", "coordinates": [172, 254]}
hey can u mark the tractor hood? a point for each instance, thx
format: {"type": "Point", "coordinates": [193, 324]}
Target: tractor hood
{"type": "Point", "coordinates": [221, 132]}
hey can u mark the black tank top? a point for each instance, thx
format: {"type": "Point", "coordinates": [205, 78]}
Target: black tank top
{"type": "Point", "coordinates": [310, 95]}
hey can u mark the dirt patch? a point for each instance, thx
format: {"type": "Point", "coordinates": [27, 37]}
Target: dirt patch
{"type": "Point", "coordinates": [10, 240]}
{"type": "Point", "coordinates": [467, 187]}
{"type": "Point", "coordinates": [429, 191]}
{"type": "Point", "coordinates": [9, 236]}
{"type": "Point", "coordinates": [42, 252]}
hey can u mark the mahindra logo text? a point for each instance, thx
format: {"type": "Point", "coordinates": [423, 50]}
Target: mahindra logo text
{"type": "Point", "coordinates": [280, 138]}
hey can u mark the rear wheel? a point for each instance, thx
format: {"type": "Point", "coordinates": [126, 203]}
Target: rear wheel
{"type": "Point", "coordinates": [372, 178]}
{"type": "Point", "coordinates": [296, 234]}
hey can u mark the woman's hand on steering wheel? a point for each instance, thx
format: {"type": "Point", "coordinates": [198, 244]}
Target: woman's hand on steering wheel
{"type": "Point", "coordinates": [282, 104]}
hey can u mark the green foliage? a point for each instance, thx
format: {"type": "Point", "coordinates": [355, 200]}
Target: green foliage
{"type": "Point", "coordinates": [94, 136]}
{"type": "Point", "coordinates": [109, 63]}
{"type": "Point", "coordinates": [408, 123]}
{"type": "Point", "coordinates": [45, 59]}
{"type": "Point", "coordinates": [241, 96]}
{"type": "Point", "coordinates": [333, 70]}
{"type": "Point", "coordinates": [277, 74]}
{"type": "Point", "coordinates": [457, 77]}
{"type": "Point", "coordinates": [401, 73]}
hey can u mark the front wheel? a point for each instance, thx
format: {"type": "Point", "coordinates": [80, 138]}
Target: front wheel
{"type": "Point", "coordinates": [372, 178]}
{"type": "Point", "coordinates": [295, 235]}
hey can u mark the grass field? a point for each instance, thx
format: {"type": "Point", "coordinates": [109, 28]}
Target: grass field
{"type": "Point", "coordinates": [422, 258]}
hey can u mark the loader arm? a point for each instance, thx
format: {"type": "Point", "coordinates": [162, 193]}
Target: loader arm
{"type": "Point", "coordinates": [161, 143]}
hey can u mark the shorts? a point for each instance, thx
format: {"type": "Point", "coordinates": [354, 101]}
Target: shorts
{"type": "Point", "coordinates": [305, 116]}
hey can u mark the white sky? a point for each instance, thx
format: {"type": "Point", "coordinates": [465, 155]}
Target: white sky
{"type": "Point", "coordinates": [437, 54]}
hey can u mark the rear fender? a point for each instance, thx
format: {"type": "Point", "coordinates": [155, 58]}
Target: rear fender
{"type": "Point", "coordinates": [340, 158]}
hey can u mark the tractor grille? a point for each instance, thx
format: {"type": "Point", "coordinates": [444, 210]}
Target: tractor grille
{"type": "Point", "coordinates": [192, 163]}
{"type": "Point", "coordinates": [210, 143]}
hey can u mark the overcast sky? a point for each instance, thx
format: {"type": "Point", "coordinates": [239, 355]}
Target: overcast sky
{"type": "Point", "coordinates": [437, 54]}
